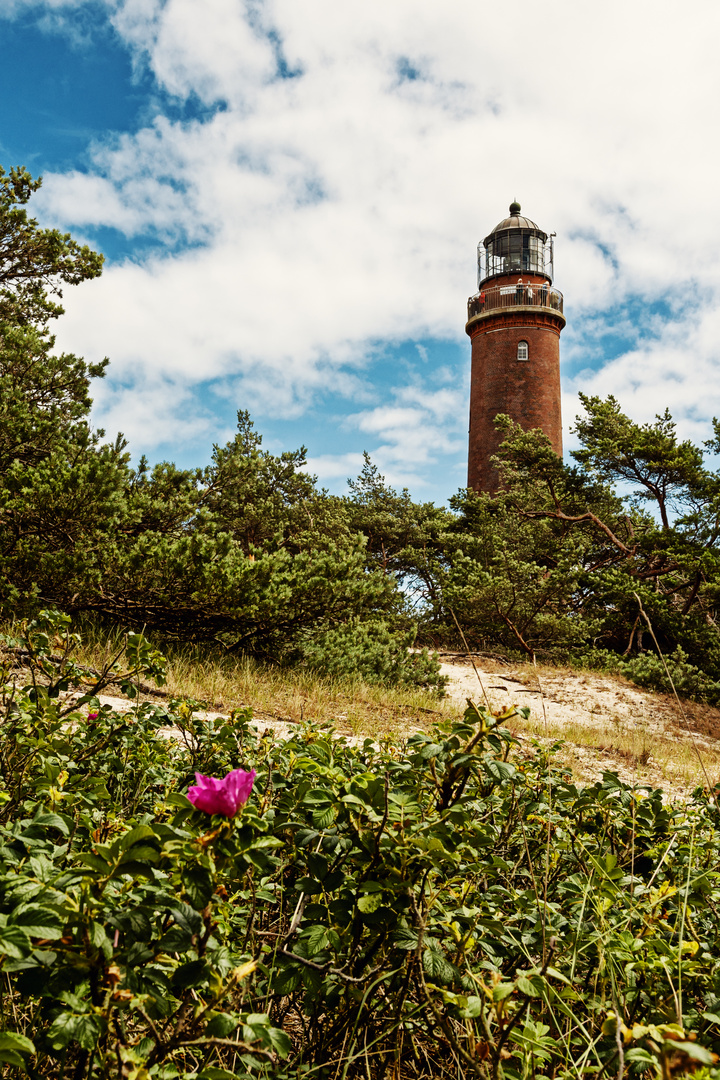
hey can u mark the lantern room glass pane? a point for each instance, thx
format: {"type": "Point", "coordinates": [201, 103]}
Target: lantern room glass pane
{"type": "Point", "coordinates": [518, 249]}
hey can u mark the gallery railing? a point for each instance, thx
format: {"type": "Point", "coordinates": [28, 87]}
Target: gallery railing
{"type": "Point", "coordinates": [498, 297]}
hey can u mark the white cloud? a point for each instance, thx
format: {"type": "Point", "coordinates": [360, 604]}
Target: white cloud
{"type": "Point", "coordinates": [341, 207]}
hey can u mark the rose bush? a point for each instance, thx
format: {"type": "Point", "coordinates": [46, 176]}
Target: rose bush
{"type": "Point", "coordinates": [451, 904]}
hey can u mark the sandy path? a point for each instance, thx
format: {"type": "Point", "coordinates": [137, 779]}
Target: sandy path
{"type": "Point", "coordinates": [607, 723]}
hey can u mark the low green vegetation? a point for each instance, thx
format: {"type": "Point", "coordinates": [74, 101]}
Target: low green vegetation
{"type": "Point", "coordinates": [447, 905]}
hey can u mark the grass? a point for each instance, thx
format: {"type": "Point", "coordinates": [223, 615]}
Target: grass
{"type": "Point", "coordinates": [641, 752]}
{"type": "Point", "coordinates": [224, 682]}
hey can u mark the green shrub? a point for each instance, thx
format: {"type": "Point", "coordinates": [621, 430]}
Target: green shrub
{"type": "Point", "coordinates": [375, 653]}
{"type": "Point", "coordinates": [444, 906]}
{"type": "Point", "coordinates": [648, 670]}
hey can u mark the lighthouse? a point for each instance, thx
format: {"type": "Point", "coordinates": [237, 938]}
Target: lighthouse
{"type": "Point", "coordinates": [514, 324]}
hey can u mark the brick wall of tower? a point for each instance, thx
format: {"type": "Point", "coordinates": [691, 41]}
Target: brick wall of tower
{"type": "Point", "coordinates": [527, 390]}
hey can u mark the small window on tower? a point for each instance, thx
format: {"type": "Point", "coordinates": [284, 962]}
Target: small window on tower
{"type": "Point", "coordinates": [523, 352]}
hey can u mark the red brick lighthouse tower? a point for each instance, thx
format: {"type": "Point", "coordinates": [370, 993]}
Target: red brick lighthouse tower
{"type": "Point", "coordinates": [514, 324]}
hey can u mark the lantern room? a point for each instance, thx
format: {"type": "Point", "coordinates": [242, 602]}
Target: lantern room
{"type": "Point", "coordinates": [517, 244]}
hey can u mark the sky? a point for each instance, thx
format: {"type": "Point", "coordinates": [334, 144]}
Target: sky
{"type": "Point", "coordinates": [289, 196]}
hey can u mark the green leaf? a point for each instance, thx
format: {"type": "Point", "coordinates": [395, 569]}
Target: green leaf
{"type": "Point", "coordinates": [11, 1057]}
{"type": "Point", "coordinates": [134, 836]}
{"type": "Point", "coordinates": [500, 770]}
{"type": "Point", "coordinates": [14, 942]}
{"type": "Point", "coordinates": [95, 862]}
{"type": "Point", "coordinates": [194, 973]}
{"type": "Point", "coordinates": [308, 885]}
{"type": "Point", "coordinates": [87, 1030]}
{"type": "Point", "coordinates": [139, 852]}
{"type": "Point", "coordinates": [436, 966]}
{"type": "Point", "coordinates": [13, 1040]}
{"type": "Point", "coordinates": [322, 819]}
{"type": "Point", "coordinates": [316, 938]}
{"type": "Point", "coordinates": [38, 922]}
{"type": "Point", "coordinates": [279, 1041]}
{"type": "Point", "coordinates": [69, 1027]}
{"type": "Point", "coordinates": [222, 1025]}
{"type": "Point", "coordinates": [133, 869]}
{"type": "Point", "coordinates": [176, 798]}
{"type": "Point", "coordinates": [52, 821]}
{"type": "Point", "coordinates": [473, 1008]}
{"type": "Point", "coordinates": [198, 885]}
{"type": "Point", "coordinates": [370, 903]}
{"type": "Point", "coordinates": [134, 922]}
{"type": "Point", "coordinates": [212, 1072]}
{"type": "Point", "coordinates": [693, 1050]}
{"type": "Point", "coordinates": [642, 1057]}
{"type": "Point", "coordinates": [525, 986]}
{"type": "Point", "coordinates": [98, 937]}
{"type": "Point", "coordinates": [555, 974]}
{"type": "Point", "coordinates": [186, 917]}
{"type": "Point", "coordinates": [317, 798]}
{"type": "Point", "coordinates": [430, 750]}
{"type": "Point", "coordinates": [405, 938]}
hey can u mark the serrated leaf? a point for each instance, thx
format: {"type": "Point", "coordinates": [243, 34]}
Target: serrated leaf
{"type": "Point", "coordinates": [87, 1031]}
{"type": "Point", "coordinates": [97, 935]}
{"type": "Point", "coordinates": [52, 821]}
{"type": "Point", "coordinates": [430, 750]}
{"type": "Point", "coordinates": [38, 922]}
{"type": "Point", "coordinates": [500, 770]}
{"type": "Point", "coordinates": [69, 1027]}
{"type": "Point", "coordinates": [14, 942]}
{"type": "Point", "coordinates": [324, 818]}
{"type": "Point", "coordinates": [405, 938]}
{"type": "Point", "coordinates": [317, 799]}
{"type": "Point", "coordinates": [186, 917]}
{"type": "Point", "coordinates": [436, 966]}
{"type": "Point", "coordinates": [135, 922]}
{"type": "Point", "coordinates": [316, 939]}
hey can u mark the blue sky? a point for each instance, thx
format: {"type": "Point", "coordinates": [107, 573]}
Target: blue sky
{"type": "Point", "coordinates": [289, 198]}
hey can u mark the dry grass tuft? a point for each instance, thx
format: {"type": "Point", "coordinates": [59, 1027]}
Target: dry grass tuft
{"type": "Point", "coordinates": [645, 744]}
{"type": "Point", "coordinates": [224, 682]}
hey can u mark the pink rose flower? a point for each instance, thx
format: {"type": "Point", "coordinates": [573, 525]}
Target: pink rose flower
{"type": "Point", "coordinates": [93, 715]}
{"type": "Point", "coordinates": [222, 796]}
